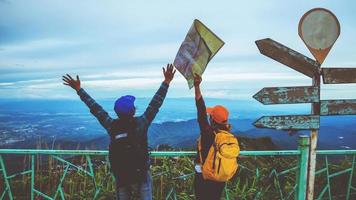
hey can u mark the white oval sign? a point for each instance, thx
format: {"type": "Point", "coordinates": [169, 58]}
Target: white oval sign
{"type": "Point", "coordinates": [320, 29]}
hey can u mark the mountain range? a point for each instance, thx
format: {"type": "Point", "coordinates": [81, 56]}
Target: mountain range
{"type": "Point", "coordinates": [69, 125]}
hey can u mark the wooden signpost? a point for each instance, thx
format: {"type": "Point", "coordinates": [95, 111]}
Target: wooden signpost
{"type": "Point", "coordinates": [287, 95]}
{"type": "Point", "coordinates": [319, 29]}
{"type": "Point", "coordinates": [287, 56]}
{"type": "Point", "coordinates": [339, 75]}
{"type": "Point", "coordinates": [289, 122]}
{"type": "Point", "coordinates": [338, 107]}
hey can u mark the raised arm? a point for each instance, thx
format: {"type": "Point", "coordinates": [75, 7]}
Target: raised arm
{"type": "Point", "coordinates": [201, 108]}
{"type": "Point", "coordinates": [102, 116]}
{"type": "Point", "coordinates": [160, 95]}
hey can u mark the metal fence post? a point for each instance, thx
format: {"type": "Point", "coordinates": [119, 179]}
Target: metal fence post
{"type": "Point", "coordinates": [6, 180]}
{"type": "Point", "coordinates": [32, 176]}
{"type": "Point", "coordinates": [303, 146]}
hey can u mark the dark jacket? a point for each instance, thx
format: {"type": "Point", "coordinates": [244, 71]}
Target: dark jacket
{"type": "Point", "coordinates": [206, 131]}
{"type": "Point", "coordinates": [137, 126]}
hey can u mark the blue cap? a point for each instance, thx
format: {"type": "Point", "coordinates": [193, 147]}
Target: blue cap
{"type": "Point", "coordinates": [125, 105]}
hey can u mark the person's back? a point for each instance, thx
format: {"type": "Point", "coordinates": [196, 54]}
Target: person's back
{"type": "Point", "coordinates": [128, 144]}
{"type": "Point", "coordinates": [207, 187]}
{"type": "Point", "coordinates": [128, 151]}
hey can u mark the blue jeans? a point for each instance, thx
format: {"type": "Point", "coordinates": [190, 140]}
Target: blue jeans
{"type": "Point", "coordinates": [143, 189]}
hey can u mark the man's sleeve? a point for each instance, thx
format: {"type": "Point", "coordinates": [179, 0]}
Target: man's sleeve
{"type": "Point", "coordinates": [102, 116]}
{"type": "Point", "coordinates": [202, 116]}
{"type": "Point", "coordinates": [155, 104]}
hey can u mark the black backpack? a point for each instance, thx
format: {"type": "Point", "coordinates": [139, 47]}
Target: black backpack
{"type": "Point", "coordinates": [128, 153]}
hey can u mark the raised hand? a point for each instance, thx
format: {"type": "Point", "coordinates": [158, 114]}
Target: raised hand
{"type": "Point", "coordinates": [168, 73]}
{"type": "Point", "coordinates": [197, 80]}
{"type": "Point", "coordinates": [68, 80]}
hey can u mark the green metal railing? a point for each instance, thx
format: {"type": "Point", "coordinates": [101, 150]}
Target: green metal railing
{"type": "Point", "coordinates": [298, 189]}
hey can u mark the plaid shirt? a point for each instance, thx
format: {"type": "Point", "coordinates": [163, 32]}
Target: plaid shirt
{"type": "Point", "coordinates": [143, 121]}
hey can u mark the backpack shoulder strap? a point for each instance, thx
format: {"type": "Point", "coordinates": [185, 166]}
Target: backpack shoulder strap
{"type": "Point", "coordinates": [199, 150]}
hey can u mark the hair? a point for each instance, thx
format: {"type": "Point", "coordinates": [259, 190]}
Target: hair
{"type": "Point", "coordinates": [220, 126]}
{"type": "Point", "coordinates": [127, 116]}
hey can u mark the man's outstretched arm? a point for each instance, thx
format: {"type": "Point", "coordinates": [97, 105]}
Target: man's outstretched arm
{"type": "Point", "coordinates": [102, 116]}
{"type": "Point", "coordinates": [200, 104]}
{"type": "Point", "coordinates": [160, 95]}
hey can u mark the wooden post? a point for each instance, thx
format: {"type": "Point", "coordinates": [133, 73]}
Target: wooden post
{"type": "Point", "coordinates": [315, 110]}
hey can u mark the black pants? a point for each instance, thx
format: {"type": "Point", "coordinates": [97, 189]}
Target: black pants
{"type": "Point", "coordinates": [206, 189]}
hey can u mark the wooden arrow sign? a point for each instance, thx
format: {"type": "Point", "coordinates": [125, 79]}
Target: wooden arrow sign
{"type": "Point", "coordinates": [339, 75]}
{"type": "Point", "coordinates": [287, 95]}
{"type": "Point", "coordinates": [289, 57]}
{"type": "Point", "coordinates": [338, 107]}
{"type": "Point", "coordinates": [289, 122]}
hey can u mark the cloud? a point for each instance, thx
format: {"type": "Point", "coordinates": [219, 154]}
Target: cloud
{"type": "Point", "coordinates": [6, 84]}
{"type": "Point", "coordinates": [144, 83]}
{"type": "Point", "coordinates": [122, 45]}
{"type": "Point", "coordinates": [224, 94]}
{"type": "Point", "coordinates": [37, 45]}
{"type": "Point", "coordinates": [123, 83]}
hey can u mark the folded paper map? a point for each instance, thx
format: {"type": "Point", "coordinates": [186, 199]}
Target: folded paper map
{"type": "Point", "coordinates": [198, 48]}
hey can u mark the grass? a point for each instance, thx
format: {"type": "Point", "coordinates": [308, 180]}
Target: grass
{"type": "Point", "coordinates": [253, 180]}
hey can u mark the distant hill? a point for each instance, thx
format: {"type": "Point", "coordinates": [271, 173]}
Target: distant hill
{"type": "Point", "coordinates": [335, 133]}
{"type": "Point", "coordinates": [69, 125]}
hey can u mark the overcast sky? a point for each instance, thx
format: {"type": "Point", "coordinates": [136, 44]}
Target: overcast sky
{"type": "Point", "coordinates": [119, 47]}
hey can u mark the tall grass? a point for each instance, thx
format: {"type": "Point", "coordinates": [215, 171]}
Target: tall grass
{"type": "Point", "coordinates": [170, 175]}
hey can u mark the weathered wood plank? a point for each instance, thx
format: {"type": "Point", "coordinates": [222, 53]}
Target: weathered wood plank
{"type": "Point", "coordinates": [289, 57]}
{"type": "Point", "coordinates": [339, 75]}
{"type": "Point", "coordinates": [287, 95]}
{"type": "Point", "coordinates": [338, 107]}
{"type": "Point", "coordinates": [289, 122]}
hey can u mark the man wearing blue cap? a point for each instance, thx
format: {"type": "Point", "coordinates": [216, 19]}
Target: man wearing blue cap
{"type": "Point", "coordinates": [128, 150]}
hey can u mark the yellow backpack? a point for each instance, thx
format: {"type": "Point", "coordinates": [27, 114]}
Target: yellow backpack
{"type": "Point", "coordinates": [221, 162]}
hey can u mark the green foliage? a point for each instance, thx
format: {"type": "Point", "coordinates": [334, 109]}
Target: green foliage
{"type": "Point", "coordinates": [262, 177]}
